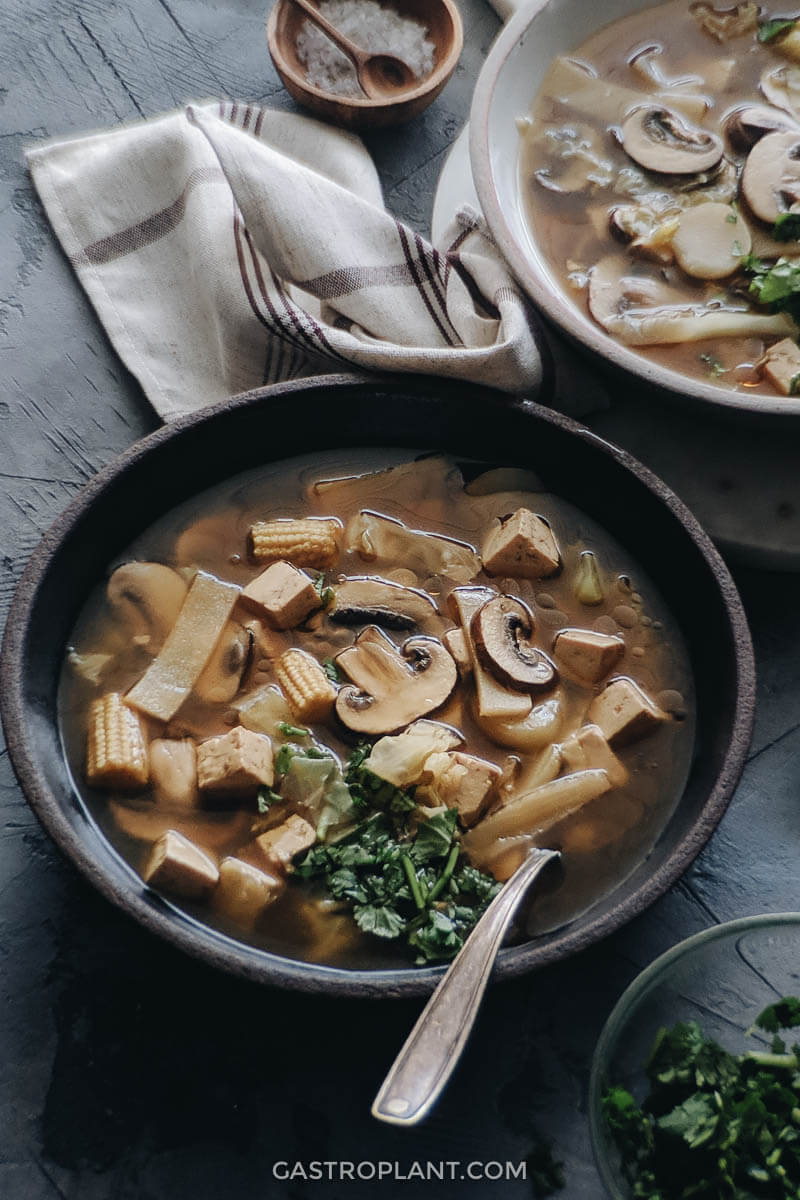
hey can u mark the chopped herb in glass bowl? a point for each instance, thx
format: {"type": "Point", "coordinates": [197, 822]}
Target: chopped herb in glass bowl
{"type": "Point", "coordinates": [695, 1087]}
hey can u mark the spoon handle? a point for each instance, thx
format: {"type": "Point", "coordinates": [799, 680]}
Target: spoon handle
{"type": "Point", "coordinates": [433, 1048]}
{"type": "Point", "coordinates": [356, 55]}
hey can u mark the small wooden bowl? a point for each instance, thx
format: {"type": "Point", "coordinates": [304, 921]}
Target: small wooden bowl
{"type": "Point", "coordinates": [443, 21]}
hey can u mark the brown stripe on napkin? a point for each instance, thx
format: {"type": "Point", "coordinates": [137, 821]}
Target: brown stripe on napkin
{"type": "Point", "coordinates": [152, 228]}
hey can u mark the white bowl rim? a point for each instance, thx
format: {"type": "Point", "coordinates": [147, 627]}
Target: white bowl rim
{"type": "Point", "coordinates": [550, 299]}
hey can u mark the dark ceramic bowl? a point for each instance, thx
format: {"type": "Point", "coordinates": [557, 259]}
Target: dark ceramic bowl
{"type": "Point", "coordinates": [195, 452]}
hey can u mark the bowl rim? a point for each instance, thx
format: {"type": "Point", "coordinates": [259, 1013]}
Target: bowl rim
{"type": "Point", "coordinates": [637, 989]}
{"type": "Point", "coordinates": [263, 966]}
{"type": "Point", "coordinates": [545, 293]}
{"type": "Point", "coordinates": [437, 78]}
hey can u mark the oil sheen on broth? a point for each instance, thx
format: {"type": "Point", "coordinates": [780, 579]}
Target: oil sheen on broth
{"type": "Point", "coordinates": [494, 716]}
{"type": "Point", "coordinates": [661, 177]}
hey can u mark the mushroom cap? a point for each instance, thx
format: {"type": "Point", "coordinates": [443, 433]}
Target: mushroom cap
{"type": "Point", "coordinates": [502, 630]}
{"type": "Point", "coordinates": [781, 86]}
{"type": "Point", "coordinates": [147, 598]}
{"type": "Point", "coordinates": [661, 140]}
{"type": "Point", "coordinates": [749, 124]}
{"type": "Point", "coordinates": [391, 687]}
{"type": "Point", "coordinates": [362, 600]}
{"type": "Point", "coordinates": [771, 176]}
{"type": "Point", "coordinates": [222, 675]}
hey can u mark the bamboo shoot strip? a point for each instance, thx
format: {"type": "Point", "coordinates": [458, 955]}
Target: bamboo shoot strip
{"type": "Point", "coordinates": [540, 808]}
{"type": "Point", "coordinates": [173, 673]}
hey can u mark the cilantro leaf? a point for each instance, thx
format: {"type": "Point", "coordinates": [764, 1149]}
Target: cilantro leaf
{"type": "Point", "coordinates": [777, 286]}
{"type": "Point", "coordinates": [787, 227]}
{"type": "Point", "coordinates": [331, 670]}
{"type": "Point", "coordinates": [768, 31]}
{"type": "Point", "coordinates": [266, 798]}
{"type": "Point", "coordinates": [785, 1014]}
{"type": "Point", "coordinates": [401, 887]}
{"type": "Point", "coordinates": [435, 836]}
{"type": "Point", "coordinates": [290, 731]}
{"type": "Point", "coordinates": [713, 1125]}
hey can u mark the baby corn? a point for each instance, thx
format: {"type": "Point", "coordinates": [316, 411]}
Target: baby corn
{"type": "Point", "coordinates": [116, 752]}
{"type": "Point", "coordinates": [310, 693]}
{"type": "Point", "coordinates": [304, 543]}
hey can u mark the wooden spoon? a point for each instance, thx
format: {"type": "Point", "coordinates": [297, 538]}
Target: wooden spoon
{"type": "Point", "coordinates": [380, 75]}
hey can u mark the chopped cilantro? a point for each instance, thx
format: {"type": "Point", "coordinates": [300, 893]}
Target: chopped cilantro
{"type": "Point", "coordinates": [768, 31]}
{"type": "Point", "coordinates": [326, 594]}
{"type": "Point", "coordinates": [287, 752]}
{"type": "Point", "coordinates": [266, 799]}
{"type": "Point", "coordinates": [787, 227]}
{"type": "Point", "coordinates": [715, 367]}
{"type": "Point", "coordinates": [331, 670]}
{"type": "Point", "coordinates": [785, 1014]}
{"type": "Point", "coordinates": [713, 1124]}
{"type": "Point", "coordinates": [777, 286]}
{"type": "Point", "coordinates": [404, 886]}
{"type": "Point", "coordinates": [733, 216]}
{"type": "Point", "coordinates": [369, 791]}
{"type": "Point", "coordinates": [290, 731]}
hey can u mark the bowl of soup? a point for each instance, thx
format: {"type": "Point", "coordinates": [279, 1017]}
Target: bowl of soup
{"type": "Point", "coordinates": [299, 695]}
{"type": "Point", "coordinates": [637, 165]}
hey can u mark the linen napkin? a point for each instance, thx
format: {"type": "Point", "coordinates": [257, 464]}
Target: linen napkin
{"type": "Point", "coordinates": [225, 246]}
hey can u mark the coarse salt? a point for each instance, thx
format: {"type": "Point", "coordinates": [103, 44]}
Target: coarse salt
{"type": "Point", "coordinates": [373, 27]}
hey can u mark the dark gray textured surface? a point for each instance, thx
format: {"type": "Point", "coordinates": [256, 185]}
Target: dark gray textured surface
{"type": "Point", "coordinates": [126, 1071]}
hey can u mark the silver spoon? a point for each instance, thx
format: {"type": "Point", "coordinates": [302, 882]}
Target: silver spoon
{"type": "Point", "coordinates": [421, 1070]}
{"type": "Point", "coordinates": [380, 75]}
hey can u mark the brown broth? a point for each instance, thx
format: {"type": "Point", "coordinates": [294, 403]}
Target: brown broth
{"type": "Point", "coordinates": [572, 230]}
{"type": "Point", "coordinates": [602, 844]}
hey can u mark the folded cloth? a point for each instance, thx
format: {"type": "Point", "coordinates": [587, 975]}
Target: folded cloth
{"type": "Point", "coordinates": [226, 246]}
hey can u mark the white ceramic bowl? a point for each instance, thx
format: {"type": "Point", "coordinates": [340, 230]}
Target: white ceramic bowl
{"type": "Point", "coordinates": [512, 75]}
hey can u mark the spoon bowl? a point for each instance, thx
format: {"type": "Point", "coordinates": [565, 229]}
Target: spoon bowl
{"type": "Point", "coordinates": [397, 95]}
{"type": "Point", "coordinates": [380, 76]}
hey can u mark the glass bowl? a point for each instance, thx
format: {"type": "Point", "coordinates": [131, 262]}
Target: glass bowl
{"type": "Point", "coordinates": [722, 978]}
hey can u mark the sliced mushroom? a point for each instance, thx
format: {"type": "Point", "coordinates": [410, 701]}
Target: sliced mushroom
{"type": "Point", "coordinates": [362, 600]}
{"type": "Point", "coordinates": [711, 241]}
{"type": "Point", "coordinates": [222, 676]}
{"type": "Point", "coordinates": [746, 126]}
{"type": "Point", "coordinates": [392, 687]}
{"type": "Point", "coordinates": [661, 140]}
{"type": "Point", "coordinates": [502, 632]}
{"type": "Point", "coordinates": [146, 597]}
{"type": "Point", "coordinates": [644, 312]}
{"type": "Point", "coordinates": [771, 177]}
{"type": "Point", "coordinates": [781, 86]}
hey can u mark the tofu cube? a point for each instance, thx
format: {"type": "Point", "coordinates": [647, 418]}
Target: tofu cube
{"type": "Point", "coordinates": [282, 595]}
{"type": "Point", "coordinates": [275, 849]}
{"type": "Point", "coordinates": [244, 892]}
{"type": "Point", "coordinates": [624, 712]}
{"type": "Point", "coordinates": [173, 773]}
{"type": "Point", "coordinates": [780, 364]}
{"type": "Point", "coordinates": [237, 763]}
{"type": "Point", "coordinates": [180, 868]}
{"type": "Point", "coordinates": [588, 750]}
{"type": "Point", "coordinates": [588, 655]}
{"type": "Point", "coordinates": [461, 781]}
{"type": "Point", "coordinates": [456, 642]}
{"type": "Point", "coordinates": [522, 547]}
